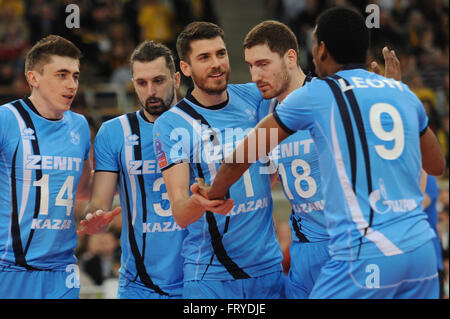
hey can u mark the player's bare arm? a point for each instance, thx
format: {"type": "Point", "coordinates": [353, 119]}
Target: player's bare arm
{"type": "Point", "coordinates": [99, 214]}
{"type": "Point", "coordinates": [433, 161]}
{"type": "Point", "coordinates": [186, 208]}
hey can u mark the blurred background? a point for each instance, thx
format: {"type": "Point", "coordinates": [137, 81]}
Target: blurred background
{"type": "Point", "coordinates": [109, 30]}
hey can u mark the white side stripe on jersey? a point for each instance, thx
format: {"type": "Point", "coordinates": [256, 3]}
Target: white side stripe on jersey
{"type": "Point", "coordinates": [381, 241]}
{"type": "Point", "coordinates": [196, 126]}
{"type": "Point", "coordinates": [128, 158]}
{"type": "Point", "coordinates": [26, 144]}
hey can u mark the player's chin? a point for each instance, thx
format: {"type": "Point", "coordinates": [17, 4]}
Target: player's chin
{"type": "Point", "coordinates": [217, 87]}
{"type": "Point", "coordinates": [65, 106]}
{"type": "Point", "coordinates": [65, 103]}
{"type": "Point", "coordinates": [268, 94]}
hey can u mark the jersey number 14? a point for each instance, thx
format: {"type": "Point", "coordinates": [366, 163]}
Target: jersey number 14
{"type": "Point", "coordinates": [67, 187]}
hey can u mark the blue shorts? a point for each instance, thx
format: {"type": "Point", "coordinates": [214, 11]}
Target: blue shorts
{"type": "Point", "coordinates": [306, 261]}
{"type": "Point", "coordinates": [270, 286]}
{"type": "Point", "coordinates": [412, 275]}
{"type": "Point", "coordinates": [131, 290]}
{"type": "Point", "coordinates": [39, 285]}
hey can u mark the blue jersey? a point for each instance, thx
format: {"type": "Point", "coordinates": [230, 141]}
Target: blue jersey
{"type": "Point", "coordinates": [151, 240]}
{"type": "Point", "coordinates": [298, 168]}
{"type": "Point", "coordinates": [41, 164]}
{"type": "Point", "coordinates": [367, 132]}
{"type": "Point", "coordinates": [242, 244]}
{"type": "Point", "coordinates": [432, 190]}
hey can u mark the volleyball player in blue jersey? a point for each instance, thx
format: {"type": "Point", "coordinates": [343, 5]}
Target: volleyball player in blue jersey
{"type": "Point", "coordinates": [44, 151]}
{"type": "Point", "coordinates": [151, 262]}
{"type": "Point", "coordinates": [372, 138]}
{"type": "Point", "coordinates": [271, 51]}
{"type": "Point", "coordinates": [233, 256]}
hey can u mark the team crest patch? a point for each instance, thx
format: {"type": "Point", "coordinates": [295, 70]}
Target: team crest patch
{"type": "Point", "coordinates": [74, 137]}
{"type": "Point", "coordinates": [160, 155]}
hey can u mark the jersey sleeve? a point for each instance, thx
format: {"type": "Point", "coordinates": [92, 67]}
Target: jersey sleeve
{"type": "Point", "coordinates": [295, 112]}
{"type": "Point", "coordinates": [421, 112]}
{"type": "Point", "coordinates": [423, 118]}
{"type": "Point", "coordinates": [170, 141]}
{"type": "Point", "coordinates": [4, 123]}
{"type": "Point", "coordinates": [104, 154]}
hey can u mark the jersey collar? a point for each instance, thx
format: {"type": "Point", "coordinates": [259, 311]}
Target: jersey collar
{"type": "Point", "coordinates": [192, 99]}
{"type": "Point", "coordinates": [33, 108]}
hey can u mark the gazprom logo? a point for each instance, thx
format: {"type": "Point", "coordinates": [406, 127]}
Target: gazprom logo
{"type": "Point", "coordinates": [28, 134]}
{"type": "Point", "coordinates": [132, 139]}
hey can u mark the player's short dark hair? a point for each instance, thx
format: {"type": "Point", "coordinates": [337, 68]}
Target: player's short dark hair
{"type": "Point", "coordinates": [278, 37]}
{"type": "Point", "coordinates": [42, 51]}
{"type": "Point", "coordinates": [198, 30]}
{"type": "Point", "coordinates": [149, 51]}
{"type": "Point", "coordinates": [345, 35]}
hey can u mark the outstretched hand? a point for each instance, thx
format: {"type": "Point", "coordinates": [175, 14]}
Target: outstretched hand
{"type": "Point", "coordinates": [392, 65]}
{"type": "Point", "coordinates": [200, 195]}
{"type": "Point", "coordinates": [94, 223]}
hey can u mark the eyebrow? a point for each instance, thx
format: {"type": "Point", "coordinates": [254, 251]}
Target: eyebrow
{"type": "Point", "coordinates": [258, 61]}
{"type": "Point", "coordinates": [67, 71]}
{"type": "Point", "coordinates": [159, 76]}
{"type": "Point", "coordinates": [209, 53]}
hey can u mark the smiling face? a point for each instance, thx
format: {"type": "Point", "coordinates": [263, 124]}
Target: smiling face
{"type": "Point", "coordinates": [208, 65]}
{"type": "Point", "coordinates": [155, 86]}
{"type": "Point", "coordinates": [268, 70]}
{"type": "Point", "coordinates": [55, 84]}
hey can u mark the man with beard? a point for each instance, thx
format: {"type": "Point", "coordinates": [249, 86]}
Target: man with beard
{"type": "Point", "coordinates": [236, 256]}
{"type": "Point", "coordinates": [373, 139]}
{"type": "Point", "coordinates": [151, 262]}
{"type": "Point", "coordinates": [271, 51]}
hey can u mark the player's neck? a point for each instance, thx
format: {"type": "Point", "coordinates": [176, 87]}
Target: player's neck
{"type": "Point", "coordinates": [331, 67]}
{"type": "Point", "coordinates": [207, 99]}
{"type": "Point", "coordinates": [44, 107]}
{"type": "Point", "coordinates": [297, 80]}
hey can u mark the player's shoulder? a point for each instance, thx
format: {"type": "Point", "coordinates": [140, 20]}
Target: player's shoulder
{"type": "Point", "coordinates": [114, 125]}
{"type": "Point", "coordinates": [172, 117]}
{"type": "Point", "coordinates": [244, 87]}
{"type": "Point", "coordinates": [76, 117]}
{"type": "Point", "coordinates": [245, 90]}
{"type": "Point", "coordinates": [5, 108]}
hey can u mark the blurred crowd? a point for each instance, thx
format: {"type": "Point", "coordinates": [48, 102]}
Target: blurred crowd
{"type": "Point", "coordinates": [108, 31]}
{"type": "Point", "coordinates": [417, 30]}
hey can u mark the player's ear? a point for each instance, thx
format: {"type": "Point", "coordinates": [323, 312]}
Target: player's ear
{"type": "Point", "coordinates": [33, 78]}
{"type": "Point", "coordinates": [185, 68]}
{"type": "Point", "coordinates": [323, 52]}
{"type": "Point", "coordinates": [291, 58]}
{"type": "Point", "coordinates": [177, 80]}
